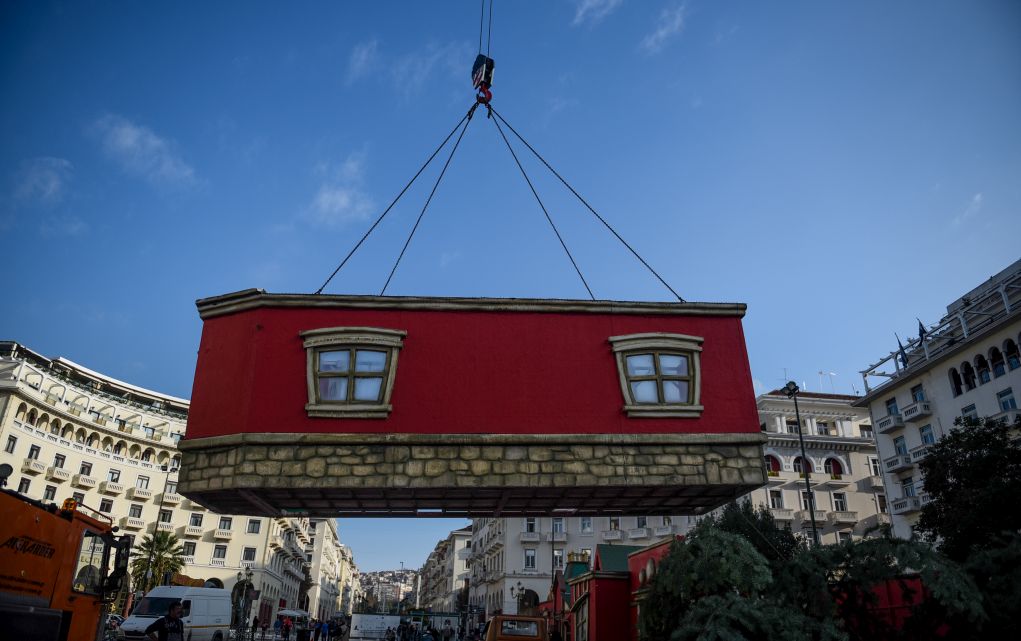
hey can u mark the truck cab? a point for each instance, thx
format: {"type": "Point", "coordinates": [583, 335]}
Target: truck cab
{"type": "Point", "coordinates": [506, 627]}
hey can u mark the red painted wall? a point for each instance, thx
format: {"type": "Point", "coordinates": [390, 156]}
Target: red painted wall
{"type": "Point", "coordinates": [462, 372]}
{"type": "Point", "coordinates": [608, 610]}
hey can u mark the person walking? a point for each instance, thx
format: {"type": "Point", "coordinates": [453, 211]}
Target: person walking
{"type": "Point", "coordinates": [286, 628]}
{"type": "Point", "coordinates": [324, 631]}
{"type": "Point", "coordinates": [255, 625]}
{"type": "Point", "coordinates": [447, 634]}
{"type": "Point", "coordinates": [265, 628]}
{"type": "Point", "coordinates": [169, 627]}
{"type": "Point", "coordinates": [278, 628]}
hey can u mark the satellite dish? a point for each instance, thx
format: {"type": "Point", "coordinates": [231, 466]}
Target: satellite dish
{"type": "Point", "coordinates": [5, 471]}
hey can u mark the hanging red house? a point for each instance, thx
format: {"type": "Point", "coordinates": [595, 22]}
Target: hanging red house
{"type": "Point", "coordinates": [332, 405]}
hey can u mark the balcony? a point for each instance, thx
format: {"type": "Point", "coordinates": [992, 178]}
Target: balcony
{"type": "Point", "coordinates": [217, 563]}
{"type": "Point", "coordinates": [83, 481]}
{"type": "Point", "coordinates": [805, 515]}
{"type": "Point", "coordinates": [32, 466]}
{"type": "Point", "coordinates": [195, 506]}
{"type": "Point", "coordinates": [613, 535]}
{"type": "Point", "coordinates": [663, 530]}
{"type": "Point", "coordinates": [842, 517]}
{"type": "Point", "coordinates": [638, 533]}
{"type": "Point", "coordinates": [836, 480]}
{"type": "Point", "coordinates": [917, 410]}
{"type": "Point", "coordinates": [529, 537]}
{"type": "Point", "coordinates": [873, 483]}
{"type": "Point", "coordinates": [222, 534]}
{"type": "Point", "coordinates": [919, 453]}
{"type": "Point", "coordinates": [890, 423]}
{"type": "Point", "coordinates": [464, 554]}
{"type": "Point", "coordinates": [773, 477]}
{"type": "Point", "coordinates": [782, 513]}
{"type": "Point", "coordinates": [899, 463]}
{"type": "Point", "coordinates": [247, 564]}
{"type": "Point", "coordinates": [164, 526]}
{"type": "Point", "coordinates": [139, 494]}
{"type": "Point", "coordinates": [557, 537]}
{"type": "Point", "coordinates": [131, 523]}
{"type": "Point", "coordinates": [193, 531]}
{"type": "Point", "coordinates": [906, 505]}
{"type": "Point", "coordinates": [188, 560]}
{"type": "Point", "coordinates": [876, 520]}
{"type": "Point", "coordinates": [276, 542]}
{"type": "Point", "coordinates": [111, 487]}
{"type": "Point", "coordinates": [57, 474]}
{"type": "Point", "coordinates": [169, 498]}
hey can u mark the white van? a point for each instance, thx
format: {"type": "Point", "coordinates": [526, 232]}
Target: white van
{"type": "Point", "coordinates": [206, 614]}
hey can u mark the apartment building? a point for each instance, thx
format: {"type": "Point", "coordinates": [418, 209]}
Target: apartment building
{"type": "Point", "coordinates": [331, 565]}
{"type": "Point", "coordinates": [841, 464]}
{"type": "Point", "coordinates": [965, 364]}
{"type": "Point", "coordinates": [70, 432]}
{"type": "Point", "coordinates": [445, 572]}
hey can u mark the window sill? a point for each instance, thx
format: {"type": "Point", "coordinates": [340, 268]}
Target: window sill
{"type": "Point", "coordinates": [663, 411]}
{"type": "Point", "coordinates": [324, 410]}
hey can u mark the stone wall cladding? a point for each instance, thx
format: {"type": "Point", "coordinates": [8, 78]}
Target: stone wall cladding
{"type": "Point", "coordinates": [294, 463]}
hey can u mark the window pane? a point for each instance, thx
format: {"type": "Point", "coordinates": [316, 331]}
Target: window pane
{"type": "Point", "coordinates": [675, 391]}
{"type": "Point", "coordinates": [370, 361]}
{"type": "Point", "coordinates": [367, 389]}
{"type": "Point", "coordinates": [640, 365]}
{"type": "Point", "coordinates": [334, 361]}
{"type": "Point", "coordinates": [333, 389]}
{"type": "Point", "coordinates": [673, 365]}
{"type": "Point", "coordinates": [644, 391]}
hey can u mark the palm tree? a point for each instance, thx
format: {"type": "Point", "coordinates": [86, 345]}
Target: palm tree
{"type": "Point", "coordinates": [161, 552]}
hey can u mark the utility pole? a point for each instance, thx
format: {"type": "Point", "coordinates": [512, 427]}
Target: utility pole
{"type": "Point", "coordinates": [791, 389]}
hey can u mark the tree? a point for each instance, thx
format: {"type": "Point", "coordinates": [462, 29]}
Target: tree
{"type": "Point", "coordinates": [757, 525]}
{"type": "Point", "coordinates": [972, 476]}
{"type": "Point", "coordinates": [161, 553]}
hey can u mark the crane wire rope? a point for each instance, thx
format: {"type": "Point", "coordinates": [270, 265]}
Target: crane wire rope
{"type": "Point", "coordinates": [543, 207]}
{"type": "Point", "coordinates": [428, 200]}
{"type": "Point", "coordinates": [583, 201]}
{"type": "Point", "coordinates": [443, 144]}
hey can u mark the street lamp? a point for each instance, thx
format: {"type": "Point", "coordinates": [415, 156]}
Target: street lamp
{"type": "Point", "coordinates": [791, 389]}
{"type": "Point", "coordinates": [242, 604]}
{"type": "Point", "coordinates": [152, 547]}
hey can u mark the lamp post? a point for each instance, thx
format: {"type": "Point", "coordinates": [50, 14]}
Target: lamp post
{"type": "Point", "coordinates": [791, 389]}
{"type": "Point", "coordinates": [242, 604]}
{"type": "Point", "coordinates": [152, 548]}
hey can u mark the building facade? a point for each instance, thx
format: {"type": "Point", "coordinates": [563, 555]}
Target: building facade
{"type": "Point", "coordinates": [445, 573]}
{"type": "Point", "coordinates": [70, 432]}
{"type": "Point", "coordinates": [966, 364]}
{"type": "Point", "coordinates": [842, 466]}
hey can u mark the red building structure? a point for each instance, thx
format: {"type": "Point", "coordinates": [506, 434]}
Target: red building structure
{"type": "Point", "coordinates": [339, 405]}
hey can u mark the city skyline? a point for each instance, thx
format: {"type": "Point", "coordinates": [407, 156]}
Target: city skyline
{"type": "Point", "coordinates": [782, 156]}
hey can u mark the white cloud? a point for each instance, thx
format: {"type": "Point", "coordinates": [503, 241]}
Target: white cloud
{"type": "Point", "coordinates": [671, 22]}
{"type": "Point", "coordinates": [140, 151]}
{"type": "Point", "coordinates": [63, 226]}
{"type": "Point", "coordinates": [411, 72]}
{"type": "Point", "coordinates": [972, 210]}
{"type": "Point", "coordinates": [340, 198]}
{"type": "Point", "coordinates": [364, 58]}
{"type": "Point", "coordinates": [43, 180]}
{"type": "Point", "coordinates": [592, 11]}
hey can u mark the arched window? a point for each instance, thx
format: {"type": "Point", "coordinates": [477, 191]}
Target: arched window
{"type": "Point", "coordinates": [968, 375]}
{"type": "Point", "coordinates": [982, 368]}
{"type": "Point", "coordinates": [996, 360]}
{"type": "Point", "coordinates": [833, 467]}
{"type": "Point", "coordinates": [772, 465]}
{"type": "Point", "coordinates": [32, 417]}
{"type": "Point", "coordinates": [55, 427]}
{"type": "Point", "coordinates": [1010, 350]}
{"type": "Point", "coordinates": [800, 467]}
{"type": "Point", "coordinates": [20, 414]}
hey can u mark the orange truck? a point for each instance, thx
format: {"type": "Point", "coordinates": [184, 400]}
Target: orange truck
{"type": "Point", "coordinates": [59, 569]}
{"type": "Point", "coordinates": [506, 627]}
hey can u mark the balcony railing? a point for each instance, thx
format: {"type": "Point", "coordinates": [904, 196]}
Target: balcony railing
{"type": "Point", "coordinates": [188, 560]}
{"type": "Point", "coordinates": [131, 523]}
{"type": "Point", "coordinates": [782, 513]}
{"type": "Point", "coordinates": [919, 453]}
{"type": "Point", "coordinates": [906, 505]}
{"type": "Point", "coordinates": [638, 533]}
{"type": "Point", "coordinates": [529, 537]}
{"type": "Point", "coordinates": [613, 535]}
{"type": "Point", "coordinates": [774, 478]}
{"type": "Point", "coordinates": [836, 480]}
{"type": "Point", "coordinates": [842, 517]}
{"type": "Point", "coordinates": [139, 494]}
{"type": "Point", "coordinates": [217, 563]}
{"type": "Point", "coordinates": [169, 498]}
{"type": "Point", "coordinates": [873, 483]}
{"type": "Point", "coordinates": [890, 423]}
{"type": "Point", "coordinates": [247, 564]}
{"type": "Point", "coordinates": [164, 526]}
{"type": "Point", "coordinates": [805, 515]}
{"type": "Point", "coordinates": [32, 466]}
{"type": "Point", "coordinates": [898, 463]}
{"type": "Point", "coordinates": [558, 537]}
{"type": "Point", "coordinates": [111, 487]}
{"type": "Point", "coordinates": [193, 531]}
{"type": "Point", "coordinates": [221, 533]}
{"type": "Point", "coordinates": [83, 481]}
{"type": "Point", "coordinates": [663, 530]}
{"type": "Point", "coordinates": [917, 410]}
{"type": "Point", "coordinates": [57, 474]}
{"type": "Point", "coordinates": [276, 542]}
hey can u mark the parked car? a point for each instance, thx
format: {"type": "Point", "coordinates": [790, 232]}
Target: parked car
{"type": "Point", "coordinates": [504, 627]}
{"type": "Point", "coordinates": [206, 613]}
{"type": "Point", "coordinates": [114, 621]}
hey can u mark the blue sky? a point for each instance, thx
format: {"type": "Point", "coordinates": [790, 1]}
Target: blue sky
{"type": "Point", "coordinates": [841, 167]}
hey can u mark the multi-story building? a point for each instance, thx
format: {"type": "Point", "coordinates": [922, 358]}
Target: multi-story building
{"type": "Point", "coordinates": [445, 573]}
{"type": "Point", "coordinates": [70, 432]}
{"type": "Point", "coordinates": [842, 466]}
{"type": "Point", "coordinates": [324, 556]}
{"type": "Point", "coordinates": [347, 580]}
{"type": "Point", "coordinates": [966, 364]}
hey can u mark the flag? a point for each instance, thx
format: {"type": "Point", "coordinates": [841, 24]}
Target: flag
{"type": "Point", "coordinates": [903, 354]}
{"type": "Point", "coordinates": [921, 330]}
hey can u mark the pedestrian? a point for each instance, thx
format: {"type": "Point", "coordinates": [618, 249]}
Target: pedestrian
{"type": "Point", "coordinates": [255, 625]}
{"type": "Point", "coordinates": [447, 632]}
{"type": "Point", "coordinates": [391, 635]}
{"type": "Point", "coordinates": [265, 628]}
{"type": "Point", "coordinates": [278, 627]}
{"type": "Point", "coordinates": [324, 630]}
{"type": "Point", "coordinates": [315, 629]}
{"type": "Point", "coordinates": [286, 628]}
{"type": "Point", "coordinates": [169, 627]}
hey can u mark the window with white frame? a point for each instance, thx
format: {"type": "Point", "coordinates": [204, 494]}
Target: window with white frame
{"type": "Point", "coordinates": [776, 499]}
{"type": "Point", "coordinates": [85, 469]}
{"type": "Point", "coordinates": [1006, 401]}
{"type": "Point", "coordinates": [807, 499]}
{"type": "Point", "coordinates": [874, 466]}
{"type": "Point", "coordinates": [220, 552]}
{"type": "Point", "coordinates": [226, 523]}
{"type": "Point", "coordinates": [659, 374]}
{"type": "Point", "coordinates": [50, 493]}
{"type": "Point", "coordinates": [881, 503]}
{"type": "Point", "coordinates": [907, 487]}
{"type": "Point", "coordinates": [530, 525]}
{"type": "Point", "coordinates": [667, 520]}
{"type": "Point", "coordinates": [969, 411]}
{"type": "Point", "coordinates": [248, 554]}
{"type": "Point", "coordinates": [843, 537]}
{"type": "Point", "coordinates": [927, 435]}
{"type": "Point", "coordinates": [166, 516]}
{"type": "Point", "coordinates": [586, 525]}
{"type": "Point", "coordinates": [614, 522]}
{"type": "Point", "coordinates": [135, 511]}
{"type": "Point", "coordinates": [12, 442]}
{"type": "Point", "coordinates": [900, 446]}
{"type": "Point", "coordinates": [195, 520]}
{"type": "Point", "coordinates": [839, 502]}
{"type": "Point", "coordinates": [105, 505]}
{"type": "Point", "coordinates": [558, 525]}
{"type": "Point", "coordinates": [641, 521]}
{"type": "Point", "coordinates": [866, 431]}
{"type": "Point", "coordinates": [142, 482]}
{"type": "Point", "coordinates": [189, 548]}
{"type": "Point", "coordinates": [558, 559]}
{"type": "Point", "coordinates": [33, 452]}
{"type": "Point", "coordinates": [350, 371]}
{"type": "Point", "coordinates": [114, 476]}
{"type": "Point", "coordinates": [529, 558]}
{"type": "Point", "coordinates": [254, 525]}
